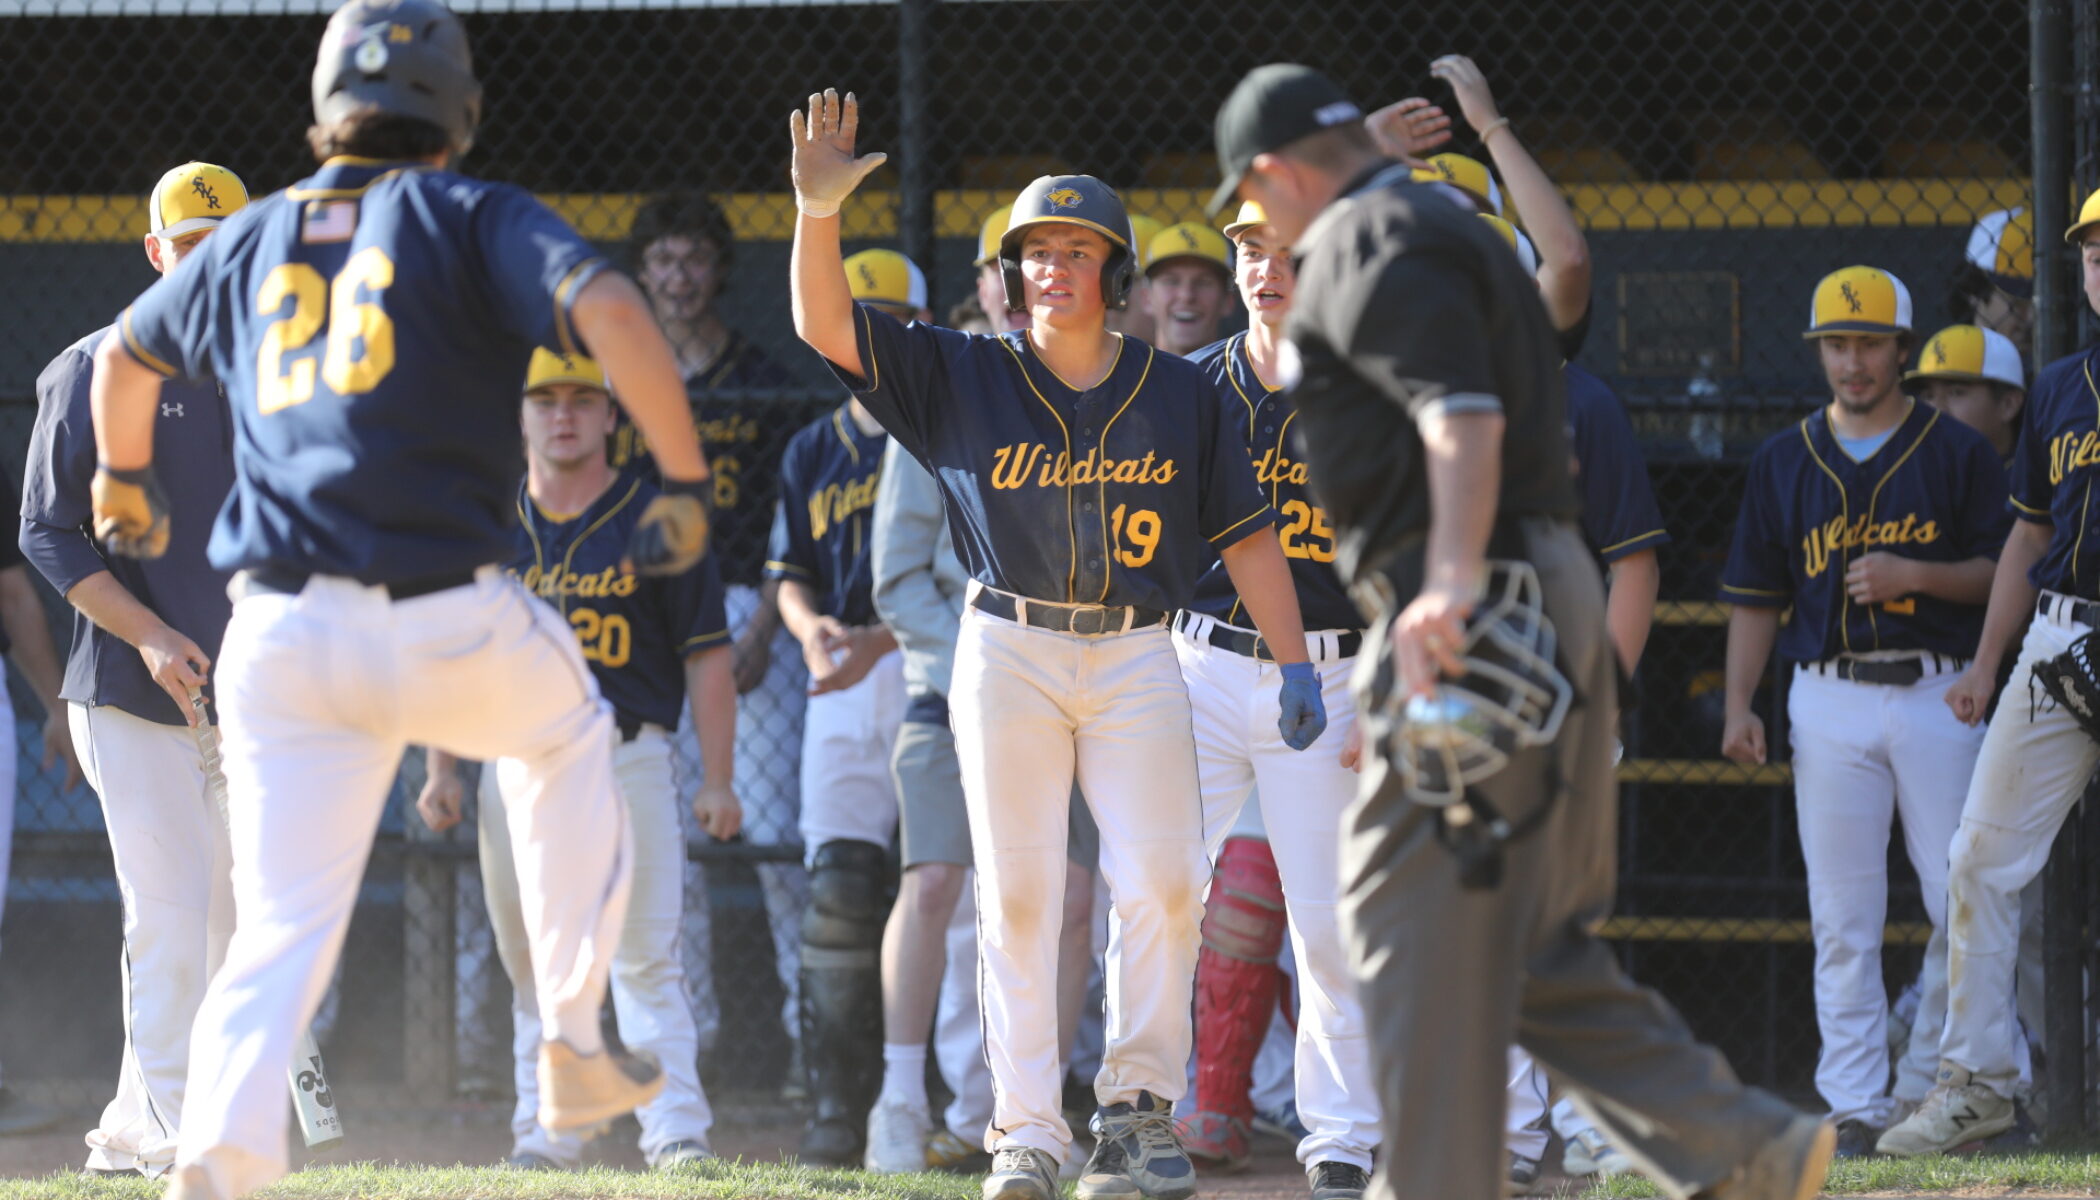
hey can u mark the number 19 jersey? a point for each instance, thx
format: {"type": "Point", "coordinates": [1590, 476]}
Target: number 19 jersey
{"type": "Point", "coordinates": [372, 326]}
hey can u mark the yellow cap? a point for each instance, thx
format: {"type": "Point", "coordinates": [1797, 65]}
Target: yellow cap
{"type": "Point", "coordinates": [990, 232]}
{"type": "Point", "coordinates": [1144, 229]}
{"type": "Point", "coordinates": [1468, 175]}
{"type": "Point", "coordinates": [1970, 353]}
{"type": "Point", "coordinates": [550, 367]}
{"type": "Point", "coordinates": [194, 196]}
{"type": "Point", "coordinates": [2002, 246]}
{"type": "Point", "coordinates": [1190, 239]}
{"type": "Point", "coordinates": [1527, 253]}
{"type": "Point", "coordinates": [1250, 215]}
{"type": "Point", "coordinates": [886, 277]}
{"type": "Point", "coordinates": [1859, 300]}
{"type": "Point", "coordinates": [2088, 216]}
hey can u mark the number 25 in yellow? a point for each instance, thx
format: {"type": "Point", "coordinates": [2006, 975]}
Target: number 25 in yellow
{"type": "Point", "coordinates": [360, 347]}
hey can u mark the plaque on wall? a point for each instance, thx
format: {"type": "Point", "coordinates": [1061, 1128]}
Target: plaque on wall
{"type": "Point", "coordinates": [1670, 320]}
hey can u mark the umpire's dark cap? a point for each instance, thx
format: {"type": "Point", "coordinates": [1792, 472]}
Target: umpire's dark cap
{"type": "Point", "coordinates": [1271, 107]}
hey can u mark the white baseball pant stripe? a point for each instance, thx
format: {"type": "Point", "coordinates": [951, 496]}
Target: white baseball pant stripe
{"type": "Point", "coordinates": [648, 979]}
{"type": "Point", "coordinates": [848, 737]}
{"type": "Point", "coordinates": [1234, 700]}
{"type": "Point", "coordinates": [2033, 767]}
{"type": "Point", "coordinates": [1864, 753]}
{"type": "Point", "coordinates": [1032, 707]}
{"type": "Point", "coordinates": [320, 694]}
{"type": "Point", "coordinates": [174, 873]}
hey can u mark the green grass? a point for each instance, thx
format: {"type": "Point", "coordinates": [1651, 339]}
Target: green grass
{"type": "Point", "coordinates": [708, 1181]}
{"type": "Point", "coordinates": [2077, 1173]}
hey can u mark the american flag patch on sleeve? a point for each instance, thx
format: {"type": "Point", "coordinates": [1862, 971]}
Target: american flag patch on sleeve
{"type": "Point", "coordinates": [328, 221]}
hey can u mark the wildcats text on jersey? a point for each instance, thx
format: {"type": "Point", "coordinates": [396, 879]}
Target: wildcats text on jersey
{"type": "Point", "coordinates": [1835, 537]}
{"type": "Point", "coordinates": [1276, 467]}
{"type": "Point", "coordinates": [550, 583]}
{"type": "Point", "coordinates": [834, 502]}
{"type": "Point", "coordinates": [2071, 451]}
{"type": "Point", "coordinates": [1012, 466]}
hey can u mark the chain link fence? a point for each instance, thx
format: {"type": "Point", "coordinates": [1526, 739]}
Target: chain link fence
{"type": "Point", "coordinates": [1720, 159]}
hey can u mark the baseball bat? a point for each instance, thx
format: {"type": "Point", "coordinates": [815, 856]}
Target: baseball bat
{"type": "Point", "coordinates": [319, 1122]}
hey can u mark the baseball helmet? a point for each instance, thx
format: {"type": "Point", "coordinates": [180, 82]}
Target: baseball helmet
{"type": "Point", "coordinates": [1969, 354]}
{"type": "Point", "coordinates": [1859, 300]}
{"type": "Point", "coordinates": [406, 57]}
{"type": "Point", "coordinates": [1071, 200]}
{"type": "Point", "coordinates": [1511, 697]}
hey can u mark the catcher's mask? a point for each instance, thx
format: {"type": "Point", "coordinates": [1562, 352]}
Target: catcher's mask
{"type": "Point", "coordinates": [1511, 697]}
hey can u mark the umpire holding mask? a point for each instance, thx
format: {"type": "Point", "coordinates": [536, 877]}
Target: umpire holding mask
{"type": "Point", "coordinates": [1430, 405]}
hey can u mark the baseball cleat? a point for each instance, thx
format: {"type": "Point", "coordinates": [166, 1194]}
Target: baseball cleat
{"type": "Point", "coordinates": [583, 1091]}
{"type": "Point", "coordinates": [1789, 1167]}
{"type": "Point", "coordinates": [1020, 1173]}
{"type": "Point", "coordinates": [1337, 1181]}
{"type": "Point", "coordinates": [1591, 1153]}
{"type": "Point", "coordinates": [1523, 1174]}
{"type": "Point", "coordinates": [1217, 1140]}
{"type": "Point", "coordinates": [948, 1150]}
{"type": "Point", "coordinates": [897, 1136]}
{"type": "Point", "coordinates": [1139, 1154]}
{"type": "Point", "coordinates": [1957, 1111]}
{"type": "Point", "coordinates": [686, 1152]}
{"type": "Point", "coordinates": [1856, 1138]}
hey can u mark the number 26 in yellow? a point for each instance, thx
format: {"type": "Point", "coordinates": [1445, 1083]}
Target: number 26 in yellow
{"type": "Point", "coordinates": [360, 347]}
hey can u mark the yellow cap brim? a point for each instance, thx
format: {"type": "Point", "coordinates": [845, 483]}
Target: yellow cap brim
{"type": "Point", "coordinates": [1234, 230]}
{"type": "Point", "coordinates": [2076, 233]}
{"type": "Point", "coordinates": [186, 227]}
{"type": "Point", "coordinates": [1844, 328]}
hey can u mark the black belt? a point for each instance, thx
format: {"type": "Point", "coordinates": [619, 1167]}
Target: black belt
{"type": "Point", "coordinates": [629, 728]}
{"type": "Point", "coordinates": [286, 581]}
{"type": "Point", "coordinates": [1889, 672]}
{"type": "Point", "coordinates": [2085, 612]}
{"type": "Point", "coordinates": [1250, 645]}
{"type": "Point", "coordinates": [1066, 618]}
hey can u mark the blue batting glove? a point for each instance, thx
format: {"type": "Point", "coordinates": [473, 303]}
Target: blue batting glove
{"type": "Point", "coordinates": [1304, 713]}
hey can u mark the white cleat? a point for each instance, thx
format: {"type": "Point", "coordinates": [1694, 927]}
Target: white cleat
{"type": "Point", "coordinates": [1956, 1112]}
{"type": "Point", "coordinates": [897, 1134]}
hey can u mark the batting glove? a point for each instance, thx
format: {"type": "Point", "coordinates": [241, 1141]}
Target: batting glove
{"type": "Point", "coordinates": [1304, 714]}
{"type": "Point", "coordinates": [672, 534]}
{"type": "Point", "coordinates": [131, 512]}
{"type": "Point", "coordinates": [823, 167]}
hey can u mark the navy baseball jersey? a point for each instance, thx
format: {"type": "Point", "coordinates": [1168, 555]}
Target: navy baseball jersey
{"type": "Point", "coordinates": [1116, 495]}
{"type": "Point", "coordinates": [2054, 468]}
{"type": "Point", "coordinates": [1619, 516]}
{"type": "Point", "coordinates": [1929, 492]}
{"type": "Point", "coordinates": [743, 439]}
{"type": "Point", "coordinates": [193, 442]}
{"type": "Point", "coordinates": [1308, 539]}
{"type": "Point", "coordinates": [10, 556]}
{"type": "Point", "coordinates": [372, 325]}
{"type": "Point", "coordinates": [820, 527]}
{"type": "Point", "coordinates": [635, 632]}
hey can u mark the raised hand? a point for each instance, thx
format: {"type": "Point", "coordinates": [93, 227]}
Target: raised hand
{"type": "Point", "coordinates": [1409, 129]}
{"type": "Point", "coordinates": [825, 171]}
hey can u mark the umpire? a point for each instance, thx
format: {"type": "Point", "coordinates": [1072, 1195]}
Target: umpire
{"type": "Point", "coordinates": [1420, 342]}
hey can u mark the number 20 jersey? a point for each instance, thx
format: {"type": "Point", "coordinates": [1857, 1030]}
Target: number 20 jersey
{"type": "Point", "coordinates": [1302, 526]}
{"type": "Point", "coordinates": [372, 326]}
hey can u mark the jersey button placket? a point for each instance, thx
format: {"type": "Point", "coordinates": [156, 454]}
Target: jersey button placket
{"type": "Point", "coordinates": [1089, 530]}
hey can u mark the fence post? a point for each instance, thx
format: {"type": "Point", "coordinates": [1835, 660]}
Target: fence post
{"type": "Point", "coordinates": [429, 910]}
{"type": "Point", "coordinates": [915, 216]}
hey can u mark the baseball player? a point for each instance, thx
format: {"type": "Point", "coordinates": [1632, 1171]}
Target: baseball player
{"type": "Point", "coordinates": [1188, 275]}
{"type": "Point", "coordinates": [1876, 519]}
{"type": "Point", "coordinates": [364, 526]}
{"type": "Point", "coordinates": [2035, 758]}
{"type": "Point", "coordinates": [1973, 374]}
{"type": "Point", "coordinates": [1083, 474]}
{"type": "Point", "coordinates": [683, 251]}
{"type": "Point", "coordinates": [1135, 317]}
{"type": "Point", "coordinates": [990, 290]}
{"type": "Point", "coordinates": [144, 634]}
{"type": "Point", "coordinates": [819, 557]}
{"type": "Point", "coordinates": [26, 637]}
{"type": "Point", "coordinates": [1995, 285]}
{"type": "Point", "coordinates": [1420, 342]}
{"type": "Point", "coordinates": [653, 646]}
{"type": "Point", "coordinates": [1292, 875]}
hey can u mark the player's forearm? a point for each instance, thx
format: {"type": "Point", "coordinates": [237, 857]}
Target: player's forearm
{"type": "Point", "coordinates": [797, 605]}
{"type": "Point", "coordinates": [122, 397]}
{"type": "Point", "coordinates": [622, 334]}
{"type": "Point", "coordinates": [1463, 456]}
{"type": "Point", "coordinates": [710, 688]}
{"type": "Point", "coordinates": [111, 605]}
{"type": "Point", "coordinates": [22, 616]}
{"type": "Point", "coordinates": [2012, 595]}
{"type": "Point", "coordinates": [1263, 578]}
{"type": "Point", "coordinates": [1564, 254]}
{"type": "Point", "coordinates": [437, 764]}
{"type": "Point", "coordinates": [818, 294]}
{"type": "Point", "coordinates": [1751, 632]}
{"type": "Point", "coordinates": [1965, 582]}
{"type": "Point", "coordinates": [1629, 610]}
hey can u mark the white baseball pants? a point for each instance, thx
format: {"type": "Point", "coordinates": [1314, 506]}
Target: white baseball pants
{"type": "Point", "coordinates": [958, 1037]}
{"type": "Point", "coordinates": [1234, 700]}
{"type": "Point", "coordinates": [320, 694]}
{"type": "Point", "coordinates": [2033, 767]}
{"type": "Point", "coordinates": [174, 873]}
{"type": "Point", "coordinates": [1864, 753]}
{"type": "Point", "coordinates": [848, 737]}
{"type": "Point", "coordinates": [1032, 707]}
{"type": "Point", "coordinates": [648, 980]}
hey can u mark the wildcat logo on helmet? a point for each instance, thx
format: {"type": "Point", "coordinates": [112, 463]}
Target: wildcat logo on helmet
{"type": "Point", "coordinates": [1064, 198]}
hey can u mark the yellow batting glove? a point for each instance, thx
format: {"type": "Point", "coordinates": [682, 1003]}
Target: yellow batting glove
{"type": "Point", "coordinates": [131, 512]}
{"type": "Point", "coordinates": [672, 534]}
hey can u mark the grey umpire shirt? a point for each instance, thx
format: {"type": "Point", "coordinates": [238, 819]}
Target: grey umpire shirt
{"type": "Point", "coordinates": [1406, 306]}
{"type": "Point", "coordinates": [193, 458]}
{"type": "Point", "coordinates": [919, 581]}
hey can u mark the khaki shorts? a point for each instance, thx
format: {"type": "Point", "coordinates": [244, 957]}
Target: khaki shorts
{"type": "Point", "coordinates": [935, 826]}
